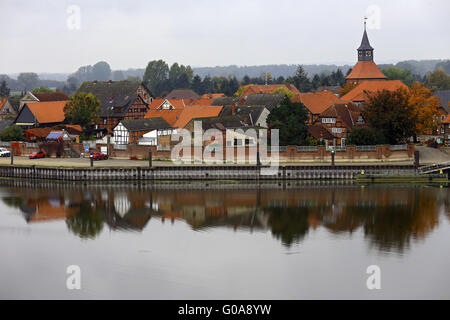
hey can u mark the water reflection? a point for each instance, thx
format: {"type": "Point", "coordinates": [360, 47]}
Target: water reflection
{"type": "Point", "coordinates": [389, 216]}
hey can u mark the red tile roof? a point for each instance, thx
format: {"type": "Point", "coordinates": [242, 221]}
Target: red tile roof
{"type": "Point", "coordinates": [365, 70]}
{"type": "Point", "coordinates": [346, 111]}
{"type": "Point", "coordinates": [359, 93]}
{"type": "Point", "coordinates": [316, 102]}
{"type": "Point", "coordinates": [213, 95]}
{"type": "Point", "coordinates": [48, 112]}
{"type": "Point", "coordinates": [194, 112]}
{"type": "Point", "coordinates": [257, 89]}
{"type": "Point", "coordinates": [447, 120]}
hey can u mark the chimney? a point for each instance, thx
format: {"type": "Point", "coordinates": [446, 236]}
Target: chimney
{"type": "Point", "coordinates": [233, 110]}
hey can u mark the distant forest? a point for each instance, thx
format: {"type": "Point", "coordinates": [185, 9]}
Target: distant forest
{"type": "Point", "coordinates": [101, 71]}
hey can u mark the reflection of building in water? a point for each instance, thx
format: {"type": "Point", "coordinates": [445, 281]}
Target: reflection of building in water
{"type": "Point", "coordinates": [389, 217]}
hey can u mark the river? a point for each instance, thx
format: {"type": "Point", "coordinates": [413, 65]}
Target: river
{"type": "Point", "coordinates": [224, 240]}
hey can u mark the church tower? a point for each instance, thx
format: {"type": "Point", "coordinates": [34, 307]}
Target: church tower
{"type": "Point", "coordinates": [365, 50]}
{"type": "Point", "coordinates": [365, 69]}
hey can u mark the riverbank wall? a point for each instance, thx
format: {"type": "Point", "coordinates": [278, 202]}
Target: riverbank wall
{"type": "Point", "coordinates": [203, 173]}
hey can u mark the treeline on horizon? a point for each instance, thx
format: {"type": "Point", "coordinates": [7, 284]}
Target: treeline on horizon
{"type": "Point", "coordinates": [222, 79]}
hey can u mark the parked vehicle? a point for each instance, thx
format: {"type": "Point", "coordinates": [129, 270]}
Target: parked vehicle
{"type": "Point", "coordinates": [5, 152]}
{"type": "Point", "coordinates": [37, 155]}
{"type": "Point", "coordinates": [99, 156]}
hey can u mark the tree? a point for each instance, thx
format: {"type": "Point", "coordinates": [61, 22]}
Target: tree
{"type": "Point", "coordinates": [156, 76]}
{"type": "Point", "coordinates": [42, 89]}
{"type": "Point", "coordinates": [438, 80]}
{"type": "Point", "coordinates": [28, 81]}
{"type": "Point", "coordinates": [444, 65]}
{"type": "Point", "coordinates": [425, 108]}
{"type": "Point", "coordinates": [399, 74]}
{"type": "Point", "coordinates": [301, 81]}
{"type": "Point", "coordinates": [391, 113]}
{"type": "Point", "coordinates": [4, 90]}
{"type": "Point", "coordinates": [347, 88]}
{"type": "Point", "coordinates": [101, 71]}
{"type": "Point", "coordinates": [118, 75]}
{"type": "Point", "coordinates": [12, 133]}
{"type": "Point", "coordinates": [245, 80]}
{"type": "Point", "coordinates": [316, 82]}
{"type": "Point", "coordinates": [83, 109]}
{"type": "Point", "coordinates": [291, 120]}
{"type": "Point", "coordinates": [363, 136]}
{"type": "Point", "coordinates": [197, 85]}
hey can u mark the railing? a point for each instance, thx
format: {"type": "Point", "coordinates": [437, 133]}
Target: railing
{"type": "Point", "coordinates": [400, 147]}
{"type": "Point", "coordinates": [366, 148]}
{"type": "Point", "coordinates": [307, 149]}
{"type": "Point", "coordinates": [435, 167]}
{"type": "Point", "coordinates": [120, 147]}
{"type": "Point", "coordinates": [31, 145]}
{"type": "Point", "coordinates": [5, 144]}
{"type": "Point", "coordinates": [282, 149]}
{"type": "Point", "coordinates": [337, 148]}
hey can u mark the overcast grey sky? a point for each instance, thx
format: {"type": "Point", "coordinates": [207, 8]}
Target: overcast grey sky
{"type": "Point", "coordinates": [127, 34]}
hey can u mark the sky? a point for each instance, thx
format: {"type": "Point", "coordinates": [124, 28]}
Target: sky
{"type": "Point", "coordinates": [60, 36]}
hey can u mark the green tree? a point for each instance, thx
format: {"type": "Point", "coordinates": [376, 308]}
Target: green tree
{"type": "Point", "coordinates": [197, 85]}
{"type": "Point", "coordinates": [12, 133]}
{"type": "Point", "coordinates": [290, 118]}
{"type": "Point", "coordinates": [83, 109]}
{"type": "Point", "coordinates": [301, 81]}
{"type": "Point", "coordinates": [156, 76]}
{"type": "Point", "coordinates": [399, 74]}
{"type": "Point", "coordinates": [438, 80]}
{"type": "Point", "coordinates": [363, 136]}
{"type": "Point", "coordinates": [42, 89]}
{"type": "Point", "coordinates": [391, 113]}
{"type": "Point", "coordinates": [87, 222]}
{"type": "Point", "coordinates": [4, 90]}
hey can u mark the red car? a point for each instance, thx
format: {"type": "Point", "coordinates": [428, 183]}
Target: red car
{"type": "Point", "coordinates": [37, 155]}
{"type": "Point", "coordinates": [99, 156]}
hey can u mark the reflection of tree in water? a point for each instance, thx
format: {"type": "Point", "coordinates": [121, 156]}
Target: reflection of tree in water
{"type": "Point", "coordinates": [87, 222]}
{"type": "Point", "coordinates": [289, 224]}
{"type": "Point", "coordinates": [392, 227]}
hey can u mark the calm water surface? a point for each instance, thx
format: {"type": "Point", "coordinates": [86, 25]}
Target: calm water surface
{"type": "Point", "coordinates": [223, 241]}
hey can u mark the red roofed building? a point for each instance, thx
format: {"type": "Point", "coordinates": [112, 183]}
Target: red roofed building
{"type": "Point", "coordinates": [365, 69]}
{"type": "Point", "coordinates": [316, 102]}
{"type": "Point", "coordinates": [359, 94]}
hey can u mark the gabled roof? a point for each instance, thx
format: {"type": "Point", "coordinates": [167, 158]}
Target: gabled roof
{"type": "Point", "coordinates": [213, 95]}
{"type": "Point", "coordinates": [253, 111]}
{"type": "Point", "coordinates": [318, 131]}
{"type": "Point", "coordinates": [365, 70]}
{"type": "Point", "coordinates": [115, 96]}
{"type": "Point", "coordinates": [444, 98]}
{"type": "Point", "coordinates": [40, 133]}
{"type": "Point", "coordinates": [225, 101]}
{"type": "Point", "coordinates": [223, 123]}
{"type": "Point", "coordinates": [170, 116]}
{"type": "Point", "coordinates": [201, 102]}
{"type": "Point", "coordinates": [176, 103]}
{"type": "Point", "coordinates": [358, 94]}
{"type": "Point", "coordinates": [182, 94]}
{"type": "Point", "coordinates": [194, 112]}
{"type": "Point", "coordinates": [268, 100]}
{"type": "Point", "coordinates": [149, 124]}
{"type": "Point", "coordinates": [51, 96]}
{"type": "Point", "coordinates": [316, 102]}
{"type": "Point", "coordinates": [47, 112]}
{"type": "Point", "coordinates": [268, 89]}
{"type": "Point", "coordinates": [2, 102]}
{"type": "Point", "coordinates": [347, 111]}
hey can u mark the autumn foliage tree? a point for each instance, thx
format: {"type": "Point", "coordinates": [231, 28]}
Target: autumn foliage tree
{"type": "Point", "coordinates": [425, 109]}
{"type": "Point", "coordinates": [82, 109]}
{"type": "Point", "coordinates": [347, 88]}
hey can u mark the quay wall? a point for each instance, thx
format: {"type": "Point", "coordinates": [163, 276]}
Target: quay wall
{"type": "Point", "coordinates": [200, 173]}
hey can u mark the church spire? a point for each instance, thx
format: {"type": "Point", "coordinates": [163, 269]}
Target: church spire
{"type": "Point", "coordinates": [365, 50]}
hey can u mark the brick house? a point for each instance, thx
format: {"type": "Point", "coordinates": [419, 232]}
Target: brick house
{"type": "Point", "coordinates": [316, 103]}
{"type": "Point", "coordinates": [120, 100]}
{"type": "Point", "coordinates": [131, 131]}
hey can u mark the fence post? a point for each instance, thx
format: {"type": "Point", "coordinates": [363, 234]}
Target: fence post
{"type": "Point", "coordinates": [12, 156]}
{"type": "Point", "coordinates": [416, 159]}
{"type": "Point", "coordinates": [333, 153]}
{"type": "Point", "coordinates": [91, 158]}
{"type": "Point", "coordinates": [150, 158]}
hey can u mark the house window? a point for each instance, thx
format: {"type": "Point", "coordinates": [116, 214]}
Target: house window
{"type": "Point", "coordinates": [328, 120]}
{"type": "Point", "coordinates": [336, 130]}
{"type": "Point", "coordinates": [105, 121]}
